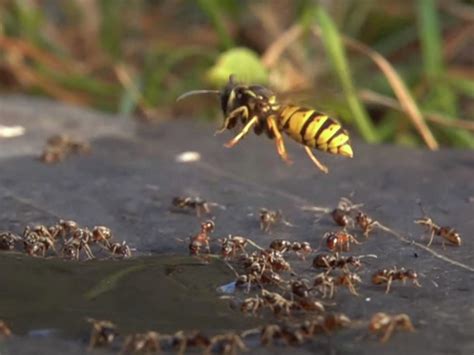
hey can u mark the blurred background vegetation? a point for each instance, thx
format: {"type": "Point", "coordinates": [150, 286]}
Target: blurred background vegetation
{"type": "Point", "coordinates": [394, 71]}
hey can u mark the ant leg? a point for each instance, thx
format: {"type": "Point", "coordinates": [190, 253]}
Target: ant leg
{"type": "Point", "coordinates": [408, 325]}
{"type": "Point", "coordinates": [242, 133]}
{"type": "Point", "coordinates": [182, 347]}
{"type": "Point", "coordinates": [88, 252]}
{"type": "Point", "coordinates": [331, 294]}
{"type": "Point", "coordinates": [272, 125]}
{"type": "Point", "coordinates": [315, 160]}
{"type": "Point", "coordinates": [352, 289]}
{"type": "Point", "coordinates": [389, 283]}
{"type": "Point", "coordinates": [388, 332]}
{"type": "Point", "coordinates": [416, 283]}
{"type": "Point", "coordinates": [431, 238]}
{"type": "Point", "coordinates": [242, 110]}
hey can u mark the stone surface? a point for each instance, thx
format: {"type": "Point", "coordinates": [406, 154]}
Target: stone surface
{"type": "Point", "coordinates": [131, 176]}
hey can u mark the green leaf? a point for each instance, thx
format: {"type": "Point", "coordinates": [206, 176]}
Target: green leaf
{"type": "Point", "coordinates": [242, 62]}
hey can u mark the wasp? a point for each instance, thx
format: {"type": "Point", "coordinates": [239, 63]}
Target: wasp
{"type": "Point", "coordinates": [257, 107]}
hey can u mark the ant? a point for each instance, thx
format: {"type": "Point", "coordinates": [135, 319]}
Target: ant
{"type": "Point", "coordinates": [388, 275]}
{"type": "Point", "coordinates": [102, 234]}
{"type": "Point", "coordinates": [58, 147]}
{"type": "Point", "coordinates": [227, 343]}
{"type": "Point", "coordinates": [271, 332]}
{"type": "Point", "coordinates": [103, 332]}
{"type": "Point", "coordinates": [328, 323]}
{"type": "Point", "coordinates": [192, 203]}
{"type": "Point", "coordinates": [195, 339]}
{"type": "Point", "coordinates": [80, 240]}
{"type": "Point", "coordinates": [301, 248]}
{"type": "Point", "coordinates": [37, 241]}
{"type": "Point", "coordinates": [252, 305]}
{"type": "Point", "coordinates": [341, 214]}
{"type": "Point", "coordinates": [300, 288]}
{"type": "Point", "coordinates": [269, 218]}
{"type": "Point", "coordinates": [386, 324]}
{"type": "Point", "coordinates": [234, 244]}
{"type": "Point", "coordinates": [365, 223]}
{"type": "Point", "coordinates": [148, 342]}
{"type": "Point", "coordinates": [327, 283]}
{"type": "Point", "coordinates": [333, 261]}
{"type": "Point", "coordinates": [447, 233]}
{"type": "Point", "coordinates": [8, 240]}
{"type": "Point", "coordinates": [202, 238]}
{"type": "Point", "coordinates": [63, 228]}
{"type": "Point", "coordinates": [5, 331]}
{"type": "Point", "coordinates": [121, 250]}
{"type": "Point", "coordinates": [339, 241]}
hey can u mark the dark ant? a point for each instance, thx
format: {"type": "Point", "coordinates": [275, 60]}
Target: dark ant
{"type": "Point", "coordinates": [339, 241]}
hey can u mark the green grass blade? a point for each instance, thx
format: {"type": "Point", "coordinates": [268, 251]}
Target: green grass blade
{"type": "Point", "coordinates": [335, 49]}
{"type": "Point", "coordinates": [441, 97]}
{"type": "Point", "coordinates": [110, 282]}
{"type": "Point", "coordinates": [212, 9]}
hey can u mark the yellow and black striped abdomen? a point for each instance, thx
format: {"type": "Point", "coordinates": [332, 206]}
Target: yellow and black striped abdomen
{"type": "Point", "coordinates": [315, 130]}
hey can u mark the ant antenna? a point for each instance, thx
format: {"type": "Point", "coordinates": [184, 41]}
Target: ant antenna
{"type": "Point", "coordinates": [421, 207]}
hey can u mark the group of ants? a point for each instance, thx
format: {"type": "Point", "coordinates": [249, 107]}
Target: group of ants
{"type": "Point", "coordinates": [267, 271]}
{"type": "Point", "coordinates": [65, 239]}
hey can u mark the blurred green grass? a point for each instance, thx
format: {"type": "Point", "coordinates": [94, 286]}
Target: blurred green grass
{"type": "Point", "coordinates": [137, 57]}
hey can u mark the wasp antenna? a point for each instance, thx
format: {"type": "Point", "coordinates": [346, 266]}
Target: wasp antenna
{"type": "Point", "coordinates": [197, 92]}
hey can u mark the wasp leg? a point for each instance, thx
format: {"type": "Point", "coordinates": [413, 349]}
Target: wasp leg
{"type": "Point", "coordinates": [320, 166]}
{"type": "Point", "coordinates": [278, 140]}
{"type": "Point", "coordinates": [242, 133]}
{"type": "Point", "coordinates": [242, 110]}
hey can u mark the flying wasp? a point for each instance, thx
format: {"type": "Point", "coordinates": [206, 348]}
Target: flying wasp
{"type": "Point", "coordinates": [257, 107]}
